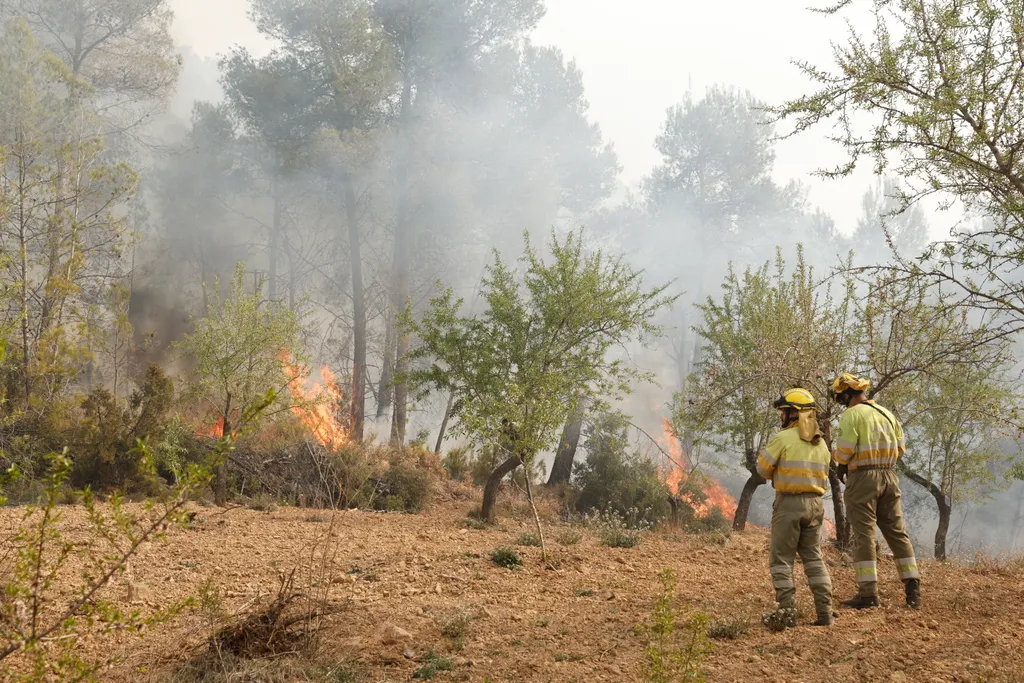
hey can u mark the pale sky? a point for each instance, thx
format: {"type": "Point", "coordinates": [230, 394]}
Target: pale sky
{"type": "Point", "coordinates": [638, 58]}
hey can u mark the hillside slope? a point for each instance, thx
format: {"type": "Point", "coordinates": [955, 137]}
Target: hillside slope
{"type": "Point", "coordinates": [573, 623]}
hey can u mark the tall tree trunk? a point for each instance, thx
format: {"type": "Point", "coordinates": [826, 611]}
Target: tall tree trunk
{"type": "Point", "coordinates": [23, 257]}
{"type": "Point", "coordinates": [220, 494]}
{"type": "Point", "coordinates": [739, 522]}
{"type": "Point", "coordinates": [941, 502]}
{"type": "Point", "coordinates": [561, 468]}
{"type": "Point", "coordinates": [843, 531]}
{"type": "Point", "coordinates": [358, 404]}
{"type": "Point", "coordinates": [404, 238]}
{"type": "Point", "coordinates": [275, 238]}
{"type": "Point", "coordinates": [292, 283]}
{"type": "Point", "coordinates": [1016, 521]}
{"type": "Point", "coordinates": [387, 371]}
{"type": "Point", "coordinates": [444, 423]}
{"type": "Point", "coordinates": [945, 510]}
{"type": "Point", "coordinates": [494, 483]}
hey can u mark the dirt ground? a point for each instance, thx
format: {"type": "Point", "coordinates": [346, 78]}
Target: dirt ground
{"type": "Point", "coordinates": [576, 622]}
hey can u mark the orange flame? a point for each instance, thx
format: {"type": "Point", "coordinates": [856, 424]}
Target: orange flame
{"type": "Point", "coordinates": [317, 407]}
{"type": "Point", "coordinates": [216, 430]}
{"type": "Point", "coordinates": [674, 474]}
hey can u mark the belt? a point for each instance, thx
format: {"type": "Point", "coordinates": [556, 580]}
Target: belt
{"type": "Point", "coordinates": [865, 468]}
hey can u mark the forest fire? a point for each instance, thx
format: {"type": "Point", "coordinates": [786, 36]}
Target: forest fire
{"type": "Point", "coordinates": [674, 474]}
{"type": "Point", "coordinates": [317, 406]}
{"type": "Point", "coordinates": [215, 431]}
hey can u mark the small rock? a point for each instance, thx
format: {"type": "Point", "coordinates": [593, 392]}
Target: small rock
{"type": "Point", "coordinates": [897, 677]}
{"type": "Point", "coordinates": [463, 531]}
{"type": "Point", "coordinates": [482, 611]}
{"type": "Point", "coordinates": [437, 589]}
{"type": "Point", "coordinates": [408, 653]}
{"type": "Point", "coordinates": [609, 596]}
{"type": "Point", "coordinates": [393, 635]}
{"type": "Point", "coordinates": [613, 669]}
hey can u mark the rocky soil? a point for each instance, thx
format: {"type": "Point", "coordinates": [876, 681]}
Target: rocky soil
{"type": "Point", "coordinates": [398, 580]}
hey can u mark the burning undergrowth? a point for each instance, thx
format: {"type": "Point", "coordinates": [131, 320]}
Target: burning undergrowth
{"type": "Point", "coordinates": [303, 455]}
{"type": "Point", "coordinates": [698, 500]}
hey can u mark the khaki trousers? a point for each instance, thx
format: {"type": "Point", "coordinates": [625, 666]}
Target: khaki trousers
{"type": "Point", "coordinates": [796, 529]}
{"type": "Point", "coordinates": [873, 497]}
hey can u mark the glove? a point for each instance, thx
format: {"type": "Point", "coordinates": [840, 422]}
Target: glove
{"type": "Point", "coordinates": [841, 472]}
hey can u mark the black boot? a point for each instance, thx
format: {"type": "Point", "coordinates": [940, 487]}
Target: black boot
{"type": "Point", "coordinates": [862, 602]}
{"type": "Point", "coordinates": [913, 587]}
{"type": "Point", "coordinates": [824, 619]}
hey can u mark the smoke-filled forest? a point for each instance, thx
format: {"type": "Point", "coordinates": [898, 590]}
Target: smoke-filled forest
{"type": "Point", "coordinates": [362, 350]}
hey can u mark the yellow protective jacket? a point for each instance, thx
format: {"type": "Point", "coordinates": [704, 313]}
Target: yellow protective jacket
{"type": "Point", "coordinates": [794, 465]}
{"type": "Point", "coordinates": [869, 436]}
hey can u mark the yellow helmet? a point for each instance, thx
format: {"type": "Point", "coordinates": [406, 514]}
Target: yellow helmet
{"type": "Point", "coordinates": [847, 381]}
{"type": "Point", "coordinates": [800, 399]}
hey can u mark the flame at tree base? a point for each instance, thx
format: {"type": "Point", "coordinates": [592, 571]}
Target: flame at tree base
{"type": "Point", "coordinates": [678, 480]}
{"type": "Point", "coordinates": [318, 406]}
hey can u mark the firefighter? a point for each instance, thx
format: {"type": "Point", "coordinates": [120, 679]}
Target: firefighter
{"type": "Point", "coordinates": [869, 443]}
{"type": "Point", "coordinates": [796, 461]}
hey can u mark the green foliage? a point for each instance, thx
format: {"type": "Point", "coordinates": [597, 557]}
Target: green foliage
{"type": "Point", "coordinates": [455, 627]}
{"type": "Point", "coordinates": [238, 348]}
{"type": "Point", "coordinates": [675, 652]}
{"type": "Point", "coordinates": [614, 532]}
{"type": "Point", "coordinates": [105, 455]}
{"type": "Point", "coordinates": [729, 629]}
{"type": "Point", "coordinates": [568, 537]}
{"type": "Point", "coordinates": [770, 329]}
{"type": "Point", "coordinates": [403, 489]}
{"type": "Point", "coordinates": [433, 665]}
{"type": "Point", "coordinates": [613, 480]}
{"type": "Point", "coordinates": [457, 462]}
{"type": "Point", "coordinates": [939, 83]}
{"type": "Point", "coordinates": [63, 227]}
{"type": "Point", "coordinates": [516, 371]}
{"type": "Point", "coordinates": [506, 557]}
{"type": "Point", "coordinates": [41, 624]}
{"type": "Point", "coordinates": [528, 540]}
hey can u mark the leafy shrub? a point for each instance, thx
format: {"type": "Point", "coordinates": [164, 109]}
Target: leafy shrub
{"type": "Point", "coordinates": [620, 538]}
{"type": "Point", "coordinates": [402, 488]}
{"type": "Point", "coordinates": [617, 531]}
{"type": "Point", "coordinates": [506, 557]}
{"type": "Point", "coordinates": [730, 629]}
{"type": "Point", "coordinates": [457, 463]}
{"type": "Point", "coordinates": [612, 479]}
{"type": "Point", "coordinates": [433, 664]}
{"type": "Point", "coordinates": [455, 627]}
{"type": "Point", "coordinates": [529, 539]}
{"type": "Point", "coordinates": [568, 537]}
{"type": "Point", "coordinates": [106, 454]}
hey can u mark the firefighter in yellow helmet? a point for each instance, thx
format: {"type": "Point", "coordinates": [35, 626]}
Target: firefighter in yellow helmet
{"type": "Point", "coordinates": [796, 461]}
{"type": "Point", "coordinates": [869, 443]}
